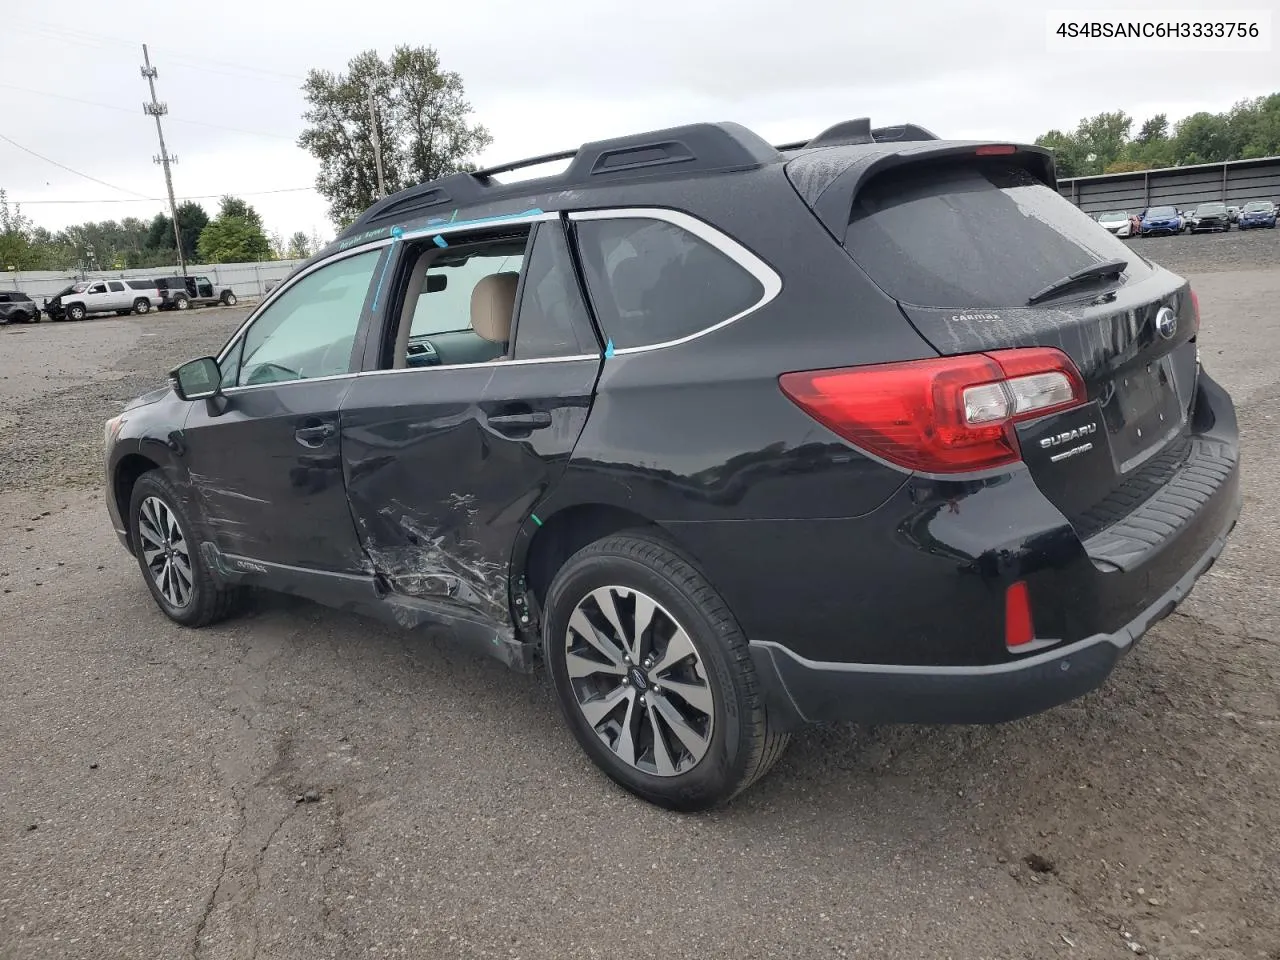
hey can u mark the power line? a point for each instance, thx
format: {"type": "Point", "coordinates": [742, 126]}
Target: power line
{"type": "Point", "coordinates": [192, 61]}
{"type": "Point", "coordinates": [111, 106]}
{"type": "Point", "coordinates": [63, 166]}
{"type": "Point", "coordinates": [202, 196]}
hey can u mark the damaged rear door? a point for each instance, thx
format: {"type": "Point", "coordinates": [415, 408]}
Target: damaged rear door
{"type": "Point", "coordinates": [447, 453]}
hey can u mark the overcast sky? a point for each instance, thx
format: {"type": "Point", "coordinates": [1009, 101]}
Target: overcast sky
{"type": "Point", "coordinates": [542, 76]}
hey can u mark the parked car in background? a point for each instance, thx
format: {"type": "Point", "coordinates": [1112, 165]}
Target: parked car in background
{"type": "Point", "coordinates": [1117, 222]}
{"type": "Point", "coordinates": [17, 307]}
{"type": "Point", "coordinates": [182, 293]}
{"type": "Point", "coordinates": [121, 297]}
{"type": "Point", "coordinates": [1161, 220]}
{"type": "Point", "coordinates": [1258, 213]}
{"type": "Point", "coordinates": [53, 305]}
{"type": "Point", "coordinates": [1211, 216]}
{"type": "Point", "coordinates": [460, 412]}
{"type": "Point", "coordinates": [1233, 213]}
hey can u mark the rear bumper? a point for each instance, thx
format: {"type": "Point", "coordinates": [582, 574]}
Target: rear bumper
{"type": "Point", "coordinates": [899, 615]}
{"type": "Point", "coordinates": [807, 691]}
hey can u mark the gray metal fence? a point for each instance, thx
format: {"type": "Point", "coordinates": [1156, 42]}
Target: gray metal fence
{"type": "Point", "coordinates": [1235, 182]}
{"type": "Point", "coordinates": [247, 280]}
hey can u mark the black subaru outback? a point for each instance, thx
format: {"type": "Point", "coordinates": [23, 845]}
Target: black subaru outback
{"type": "Point", "coordinates": [735, 437]}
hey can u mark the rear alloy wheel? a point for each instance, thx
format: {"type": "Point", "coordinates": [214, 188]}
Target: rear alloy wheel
{"type": "Point", "coordinates": [654, 676]}
{"type": "Point", "coordinates": [141, 305]}
{"type": "Point", "coordinates": [168, 555]}
{"type": "Point", "coordinates": [181, 303]}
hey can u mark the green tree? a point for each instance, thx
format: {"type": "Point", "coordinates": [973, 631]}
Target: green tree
{"type": "Point", "coordinates": [1103, 138]}
{"type": "Point", "coordinates": [299, 247]}
{"type": "Point", "coordinates": [422, 117]}
{"type": "Point", "coordinates": [235, 236]}
{"type": "Point", "coordinates": [1067, 155]}
{"type": "Point", "coordinates": [1155, 129]}
{"type": "Point", "coordinates": [1202, 138]}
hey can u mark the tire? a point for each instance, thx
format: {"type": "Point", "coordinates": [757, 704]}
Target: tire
{"type": "Point", "coordinates": [229, 299]}
{"type": "Point", "coordinates": [76, 312]}
{"type": "Point", "coordinates": [206, 601]}
{"type": "Point", "coordinates": [181, 303]}
{"type": "Point", "coordinates": [141, 306]}
{"type": "Point", "coordinates": [736, 742]}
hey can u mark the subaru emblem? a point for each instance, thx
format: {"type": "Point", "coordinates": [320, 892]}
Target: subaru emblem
{"type": "Point", "coordinates": [1167, 323]}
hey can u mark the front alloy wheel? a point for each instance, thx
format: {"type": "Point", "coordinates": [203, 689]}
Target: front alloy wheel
{"type": "Point", "coordinates": [165, 552]}
{"type": "Point", "coordinates": [639, 681]}
{"type": "Point", "coordinates": [168, 554]}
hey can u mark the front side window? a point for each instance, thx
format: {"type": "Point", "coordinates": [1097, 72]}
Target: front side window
{"type": "Point", "coordinates": [651, 281]}
{"type": "Point", "coordinates": [97, 288]}
{"type": "Point", "coordinates": [309, 330]}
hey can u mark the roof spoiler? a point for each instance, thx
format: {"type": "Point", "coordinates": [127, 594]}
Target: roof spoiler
{"type": "Point", "coordinates": [860, 131]}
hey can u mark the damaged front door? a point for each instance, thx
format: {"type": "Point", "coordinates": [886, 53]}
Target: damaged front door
{"type": "Point", "coordinates": [264, 462]}
{"type": "Point", "coordinates": [452, 444]}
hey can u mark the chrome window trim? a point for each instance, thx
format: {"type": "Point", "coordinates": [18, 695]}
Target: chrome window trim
{"type": "Point", "coordinates": [483, 363]}
{"type": "Point", "coordinates": [288, 285]}
{"type": "Point", "coordinates": [769, 280]}
{"type": "Point", "coordinates": [576, 358]}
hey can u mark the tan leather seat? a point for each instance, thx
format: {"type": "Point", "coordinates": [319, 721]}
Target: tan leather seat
{"type": "Point", "coordinates": [493, 302]}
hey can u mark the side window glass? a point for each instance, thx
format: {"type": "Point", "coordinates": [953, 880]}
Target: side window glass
{"type": "Point", "coordinates": [651, 281]}
{"type": "Point", "coordinates": [460, 310]}
{"type": "Point", "coordinates": [97, 288]}
{"type": "Point", "coordinates": [310, 329]}
{"type": "Point", "coordinates": [553, 320]}
{"type": "Point", "coordinates": [115, 286]}
{"type": "Point", "coordinates": [231, 365]}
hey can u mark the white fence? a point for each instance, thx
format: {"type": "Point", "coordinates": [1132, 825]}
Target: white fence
{"type": "Point", "coordinates": [245, 279]}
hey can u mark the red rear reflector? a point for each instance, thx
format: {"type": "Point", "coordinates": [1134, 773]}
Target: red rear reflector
{"type": "Point", "coordinates": [1018, 629]}
{"type": "Point", "coordinates": [995, 150]}
{"type": "Point", "coordinates": [944, 415]}
{"type": "Point", "coordinates": [1195, 312]}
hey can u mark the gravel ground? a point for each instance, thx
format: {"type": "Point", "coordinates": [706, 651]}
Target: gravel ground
{"type": "Point", "coordinates": [149, 775]}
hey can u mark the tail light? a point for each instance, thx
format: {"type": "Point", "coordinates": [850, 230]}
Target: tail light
{"type": "Point", "coordinates": [1195, 312]}
{"type": "Point", "coordinates": [945, 415]}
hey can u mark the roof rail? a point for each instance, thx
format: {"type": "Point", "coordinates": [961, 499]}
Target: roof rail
{"type": "Point", "coordinates": [693, 148]}
{"type": "Point", "coordinates": [860, 131]}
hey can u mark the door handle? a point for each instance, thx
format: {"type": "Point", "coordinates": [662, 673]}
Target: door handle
{"type": "Point", "coordinates": [520, 422]}
{"type": "Point", "coordinates": [314, 436]}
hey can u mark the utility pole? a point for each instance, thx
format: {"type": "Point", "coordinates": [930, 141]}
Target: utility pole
{"type": "Point", "coordinates": [377, 146]}
{"type": "Point", "coordinates": [157, 109]}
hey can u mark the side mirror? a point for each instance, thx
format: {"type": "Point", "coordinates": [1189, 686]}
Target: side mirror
{"type": "Point", "coordinates": [197, 379]}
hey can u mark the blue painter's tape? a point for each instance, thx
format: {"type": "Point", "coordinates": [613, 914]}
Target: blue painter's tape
{"type": "Point", "coordinates": [608, 349]}
{"type": "Point", "coordinates": [428, 229]}
{"type": "Point", "coordinates": [440, 241]}
{"type": "Point", "coordinates": [397, 232]}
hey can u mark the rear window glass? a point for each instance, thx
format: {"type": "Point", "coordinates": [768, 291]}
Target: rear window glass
{"type": "Point", "coordinates": [973, 235]}
{"type": "Point", "coordinates": [651, 281]}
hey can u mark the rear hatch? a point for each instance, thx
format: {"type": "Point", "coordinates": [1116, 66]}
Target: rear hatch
{"type": "Point", "coordinates": [977, 251]}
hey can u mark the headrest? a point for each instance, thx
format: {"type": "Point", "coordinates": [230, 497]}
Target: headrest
{"type": "Point", "coordinates": [493, 301]}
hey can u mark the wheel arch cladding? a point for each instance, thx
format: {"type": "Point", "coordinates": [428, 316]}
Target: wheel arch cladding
{"type": "Point", "coordinates": [561, 535]}
{"type": "Point", "coordinates": [127, 472]}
